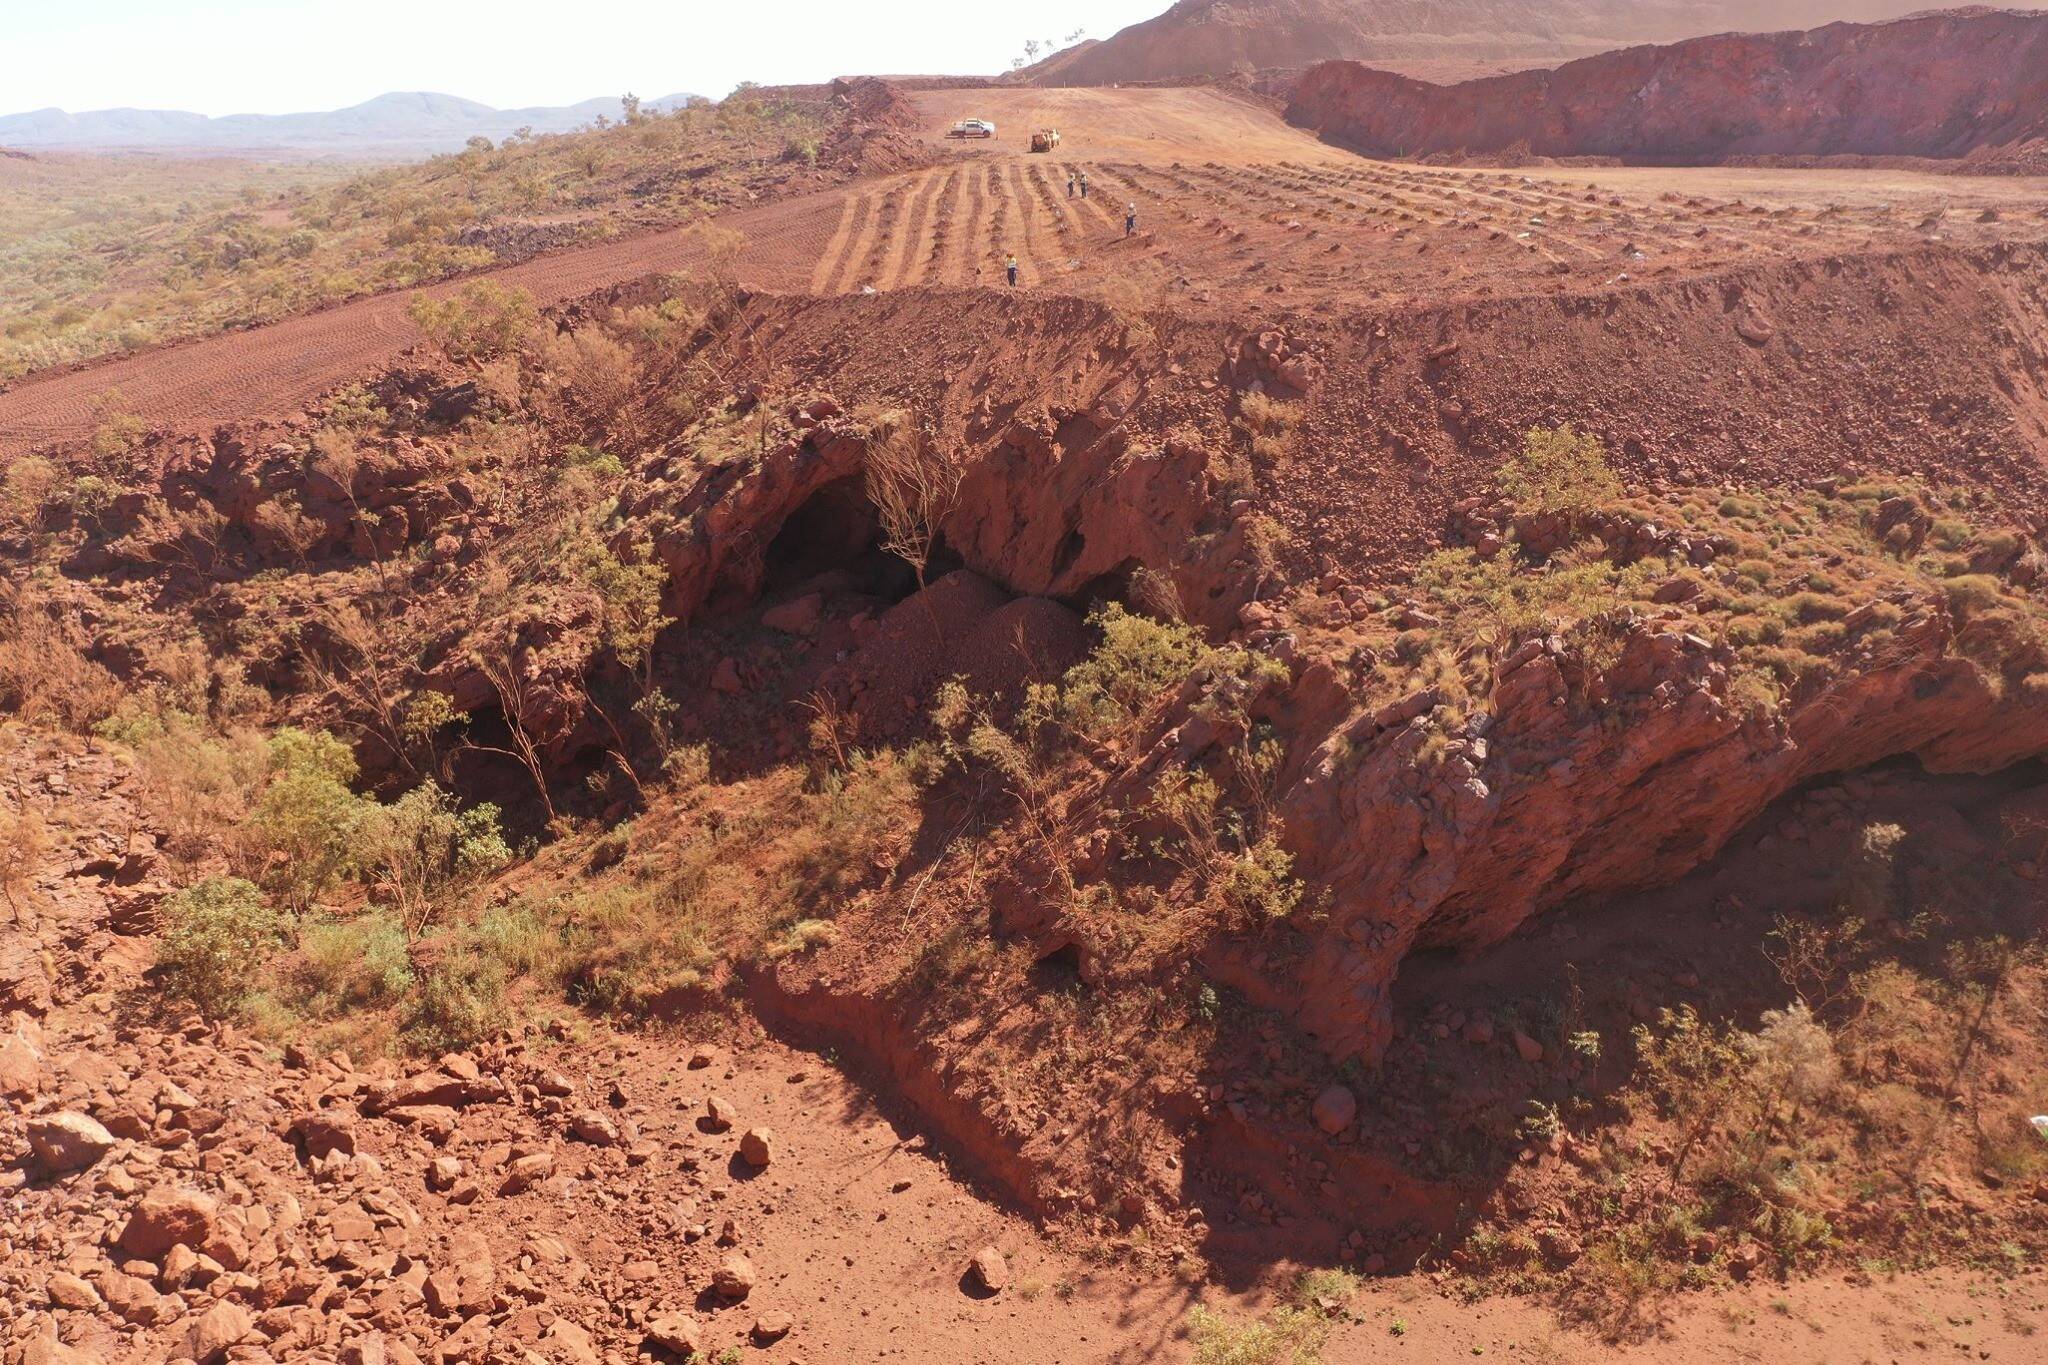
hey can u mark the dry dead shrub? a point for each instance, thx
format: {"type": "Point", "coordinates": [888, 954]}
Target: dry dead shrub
{"type": "Point", "coordinates": [597, 381]}
{"type": "Point", "coordinates": [913, 482]}
{"type": "Point", "coordinates": [24, 840]}
{"type": "Point", "coordinates": [45, 676]}
{"type": "Point", "coordinates": [200, 788]}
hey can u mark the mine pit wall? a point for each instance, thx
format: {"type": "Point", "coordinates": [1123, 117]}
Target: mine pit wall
{"type": "Point", "coordinates": [1940, 85]}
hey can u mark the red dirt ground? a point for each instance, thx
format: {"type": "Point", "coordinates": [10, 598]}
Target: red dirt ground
{"type": "Point", "coordinates": [858, 1229]}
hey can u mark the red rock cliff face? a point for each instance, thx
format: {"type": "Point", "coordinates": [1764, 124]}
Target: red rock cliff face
{"type": "Point", "coordinates": [1538, 810]}
{"type": "Point", "coordinates": [1214, 37]}
{"type": "Point", "coordinates": [1940, 85]}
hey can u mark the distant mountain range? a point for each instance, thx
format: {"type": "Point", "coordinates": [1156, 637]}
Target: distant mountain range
{"type": "Point", "coordinates": [413, 122]}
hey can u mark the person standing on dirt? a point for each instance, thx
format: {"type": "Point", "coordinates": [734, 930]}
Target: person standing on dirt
{"type": "Point", "coordinates": [1012, 268]}
{"type": "Point", "coordinates": [1130, 219]}
{"type": "Point", "coordinates": [1084, 184]}
{"type": "Point", "coordinates": [1070, 184]}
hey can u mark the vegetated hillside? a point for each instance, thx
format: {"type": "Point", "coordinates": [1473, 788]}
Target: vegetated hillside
{"type": "Point", "coordinates": [109, 254]}
{"type": "Point", "coordinates": [401, 123]}
{"type": "Point", "coordinates": [1216, 37]}
{"type": "Point", "coordinates": [988, 685]}
{"type": "Point", "coordinates": [1941, 85]}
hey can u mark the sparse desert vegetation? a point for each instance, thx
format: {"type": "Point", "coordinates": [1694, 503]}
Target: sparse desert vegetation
{"type": "Point", "coordinates": [1410, 758]}
{"type": "Point", "coordinates": [114, 253]}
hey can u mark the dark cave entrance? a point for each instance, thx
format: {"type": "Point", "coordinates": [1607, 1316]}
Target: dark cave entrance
{"type": "Point", "coordinates": [837, 532]}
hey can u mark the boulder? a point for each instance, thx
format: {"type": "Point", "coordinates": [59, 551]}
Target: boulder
{"type": "Point", "coordinates": [569, 1341]}
{"type": "Point", "coordinates": [167, 1217]}
{"type": "Point", "coordinates": [527, 1171]}
{"type": "Point", "coordinates": [68, 1142]}
{"type": "Point", "coordinates": [322, 1132]}
{"type": "Point", "coordinates": [68, 1291]}
{"type": "Point", "coordinates": [208, 1337]}
{"type": "Point", "coordinates": [797, 617]}
{"type": "Point", "coordinates": [734, 1279]}
{"type": "Point", "coordinates": [21, 1068]}
{"type": "Point", "coordinates": [441, 1088]}
{"type": "Point", "coordinates": [679, 1333]}
{"type": "Point", "coordinates": [757, 1147]}
{"type": "Point", "coordinates": [990, 1270]}
{"type": "Point", "coordinates": [46, 1348]}
{"type": "Point", "coordinates": [595, 1128]}
{"type": "Point", "coordinates": [1335, 1109]}
{"type": "Point", "coordinates": [465, 1280]}
{"type": "Point", "coordinates": [772, 1327]}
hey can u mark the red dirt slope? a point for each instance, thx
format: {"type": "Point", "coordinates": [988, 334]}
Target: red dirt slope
{"type": "Point", "coordinates": [1417, 37]}
{"type": "Point", "coordinates": [1937, 85]}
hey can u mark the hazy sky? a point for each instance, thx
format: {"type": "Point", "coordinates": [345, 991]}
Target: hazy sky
{"type": "Point", "coordinates": [282, 56]}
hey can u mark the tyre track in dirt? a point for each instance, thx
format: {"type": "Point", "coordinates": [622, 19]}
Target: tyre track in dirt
{"type": "Point", "coordinates": [828, 260]}
{"type": "Point", "coordinates": [1031, 271]}
{"type": "Point", "coordinates": [930, 241]}
{"type": "Point", "coordinates": [911, 228]}
{"type": "Point", "coordinates": [846, 268]}
{"type": "Point", "coordinates": [955, 221]}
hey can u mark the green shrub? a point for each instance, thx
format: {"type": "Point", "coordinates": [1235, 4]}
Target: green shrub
{"type": "Point", "coordinates": [359, 963]}
{"type": "Point", "coordinates": [307, 819]}
{"type": "Point", "coordinates": [1287, 1336]}
{"type": "Point", "coordinates": [460, 1003]}
{"type": "Point", "coordinates": [1261, 887]}
{"type": "Point", "coordinates": [623, 948]}
{"type": "Point", "coordinates": [801, 937]}
{"type": "Point", "coordinates": [1137, 662]}
{"type": "Point", "coordinates": [1972, 594]}
{"type": "Point", "coordinates": [1559, 469]}
{"type": "Point", "coordinates": [426, 847]}
{"type": "Point", "coordinates": [482, 320]}
{"type": "Point", "coordinates": [217, 936]}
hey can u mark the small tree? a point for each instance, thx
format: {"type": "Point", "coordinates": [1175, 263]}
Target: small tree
{"type": "Point", "coordinates": [630, 590]}
{"type": "Point", "coordinates": [217, 935]}
{"type": "Point", "coordinates": [26, 490]}
{"type": "Point", "coordinates": [516, 702]}
{"type": "Point", "coordinates": [425, 846]}
{"type": "Point", "coordinates": [307, 818]}
{"type": "Point", "coordinates": [24, 842]}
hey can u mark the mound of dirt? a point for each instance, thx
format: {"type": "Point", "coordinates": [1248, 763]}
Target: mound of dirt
{"type": "Point", "coordinates": [1217, 37]}
{"type": "Point", "coordinates": [1939, 85]}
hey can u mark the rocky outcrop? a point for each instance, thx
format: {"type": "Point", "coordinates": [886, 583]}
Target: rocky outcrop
{"type": "Point", "coordinates": [1197, 38]}
{"type": "Point", "coordinates": [1938, 85]}
{"type": "Point", "coordinates": [1435, 837]}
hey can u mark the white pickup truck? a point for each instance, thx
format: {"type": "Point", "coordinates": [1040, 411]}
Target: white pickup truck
{"type": "Point", "coordinates": [973, 127]}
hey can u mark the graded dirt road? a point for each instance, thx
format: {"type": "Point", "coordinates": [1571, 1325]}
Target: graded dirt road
{"type": "Point", "coordinates": [1237, 214]}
